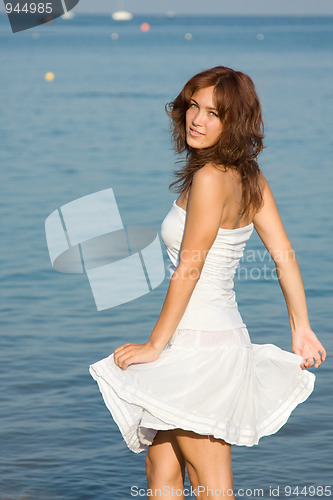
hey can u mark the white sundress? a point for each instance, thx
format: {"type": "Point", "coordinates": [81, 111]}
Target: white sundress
{"type": "Point", "coordinates": [210, 378]}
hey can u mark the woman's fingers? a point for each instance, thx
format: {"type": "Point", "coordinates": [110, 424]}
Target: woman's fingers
{"type": "Point", "coordinates": [323, 352]}
{"type": "Point", "coordinates": [125, 354]}
{"type": "Point", "coordinates": [310, 357]}
{"type": "Point", "coordinates": [309, 362]}
{"type": "Point", "coordinates": [313, 360]}
{"type": "Point", "coordinates": [134, 353]}
{"type": "Point", "coordinates": [122, 347]}
{"type": "Point", "coordinates": [123, 360]}
{"type": "Point", "coordinates": [306, 343]}
{"type": "Point", "coordinates": [319, 354]}
{"type": "Point", "coordinates": [121, 354]}
{"type": "Point", "coordinates": [317, 360]}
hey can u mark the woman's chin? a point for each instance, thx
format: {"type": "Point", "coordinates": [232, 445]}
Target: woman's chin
{"type": "Point", "coordinates": [193, 143]}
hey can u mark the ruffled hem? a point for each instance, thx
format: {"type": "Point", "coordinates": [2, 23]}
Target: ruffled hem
{"type": "Point", "coordinates": [245, 391]}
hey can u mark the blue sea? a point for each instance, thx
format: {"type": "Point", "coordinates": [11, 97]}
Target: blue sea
{"type": "Point", "coordinates": [101, 124]}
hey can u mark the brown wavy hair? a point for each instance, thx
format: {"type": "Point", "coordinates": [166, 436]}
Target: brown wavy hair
{"type": "Point", "coordinates": [241, 140]}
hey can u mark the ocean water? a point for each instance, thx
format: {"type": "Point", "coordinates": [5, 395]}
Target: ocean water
{"type": "Point", "coordinates": [100, 124]}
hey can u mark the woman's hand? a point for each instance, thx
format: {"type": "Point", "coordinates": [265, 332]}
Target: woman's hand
{"type": "Point", "coordinates": [130, 353]}
{"type": "Point", "coordinates": [306, 343]}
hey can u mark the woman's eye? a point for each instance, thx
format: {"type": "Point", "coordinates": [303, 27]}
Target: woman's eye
{"type": "Point", "coordinates": [193, 105]}
{"type": "Point", "coordinates": [214, 114]}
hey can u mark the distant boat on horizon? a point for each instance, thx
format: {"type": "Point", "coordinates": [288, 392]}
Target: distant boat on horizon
{"type": "Point", "coordinates": [121, 15]}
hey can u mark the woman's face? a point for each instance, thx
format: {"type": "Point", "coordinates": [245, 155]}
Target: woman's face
{"type": "Point", "coordinates": [203, 126]}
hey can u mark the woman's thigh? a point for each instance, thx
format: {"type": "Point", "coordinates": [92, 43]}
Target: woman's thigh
{"type": "Point", "coordinates": [209, 464]}
{"type": "Point", "coordinates": [165, 463]}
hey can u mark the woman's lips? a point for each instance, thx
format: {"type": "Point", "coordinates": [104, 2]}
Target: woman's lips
{"type": "Point", "coordinates": [195, 133]}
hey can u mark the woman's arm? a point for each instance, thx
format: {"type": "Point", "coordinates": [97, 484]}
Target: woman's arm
{"type": "Point", "coordinates": [269, 226]}
{"type": "Point", "coordinates": [204, 211]}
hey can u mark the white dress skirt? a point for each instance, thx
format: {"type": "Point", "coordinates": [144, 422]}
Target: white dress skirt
{"type": "Point", "coordinates": [210, 378]}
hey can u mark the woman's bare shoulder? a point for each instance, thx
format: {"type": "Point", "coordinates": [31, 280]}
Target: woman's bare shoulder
{"type": "Point", "coordinates": [211, 174]}
{"type": "Point", "coordinates": [207, 181]}
{"type": "Point", "coordinates": [210, 170]}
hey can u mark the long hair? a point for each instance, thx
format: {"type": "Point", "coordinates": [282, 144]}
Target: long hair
{"type": "Point", "coordinates": [241, 139]}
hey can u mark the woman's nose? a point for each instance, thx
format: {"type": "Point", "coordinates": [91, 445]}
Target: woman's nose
{"type": "Point", "coordinates": [198, 118]}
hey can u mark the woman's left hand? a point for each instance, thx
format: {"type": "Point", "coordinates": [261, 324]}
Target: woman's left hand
{"type": "Point", "coordinates": [130, 353]}
{"type": "Point", "coordinates": [306, 344]}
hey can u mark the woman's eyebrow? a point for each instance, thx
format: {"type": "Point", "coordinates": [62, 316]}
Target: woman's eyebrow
{"type": "Point", "coordinates": [208, 107]}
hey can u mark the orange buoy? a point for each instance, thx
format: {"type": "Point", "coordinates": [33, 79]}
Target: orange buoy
{"type": "Point", "coordinates": [145, 27]}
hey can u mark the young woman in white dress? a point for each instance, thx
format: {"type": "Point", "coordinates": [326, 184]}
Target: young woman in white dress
{"type": "Point", "coordinates": [217, 121]}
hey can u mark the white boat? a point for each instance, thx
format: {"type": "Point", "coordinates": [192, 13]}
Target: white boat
{"type": "Point", "coordinates": [121, 15]}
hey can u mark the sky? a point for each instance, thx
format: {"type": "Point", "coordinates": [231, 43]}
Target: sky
{"type": "Point", "coordinates": [220, 7]}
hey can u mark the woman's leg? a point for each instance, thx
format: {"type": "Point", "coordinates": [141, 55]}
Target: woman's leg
{"type": "Point", "coordinates": [208, 463]}
{"type": "Point", "coordinates": [165, 466]}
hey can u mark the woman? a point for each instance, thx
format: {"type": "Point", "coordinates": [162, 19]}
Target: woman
{"type": "Point", "coordinates": [199, 385]}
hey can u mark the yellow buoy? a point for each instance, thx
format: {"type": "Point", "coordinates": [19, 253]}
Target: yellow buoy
{"type": "Point", "coordinates": [49, 76]}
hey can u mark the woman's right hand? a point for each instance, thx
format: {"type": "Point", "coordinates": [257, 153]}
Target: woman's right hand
{"type": "Point", "coordinates": [130, 353]}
